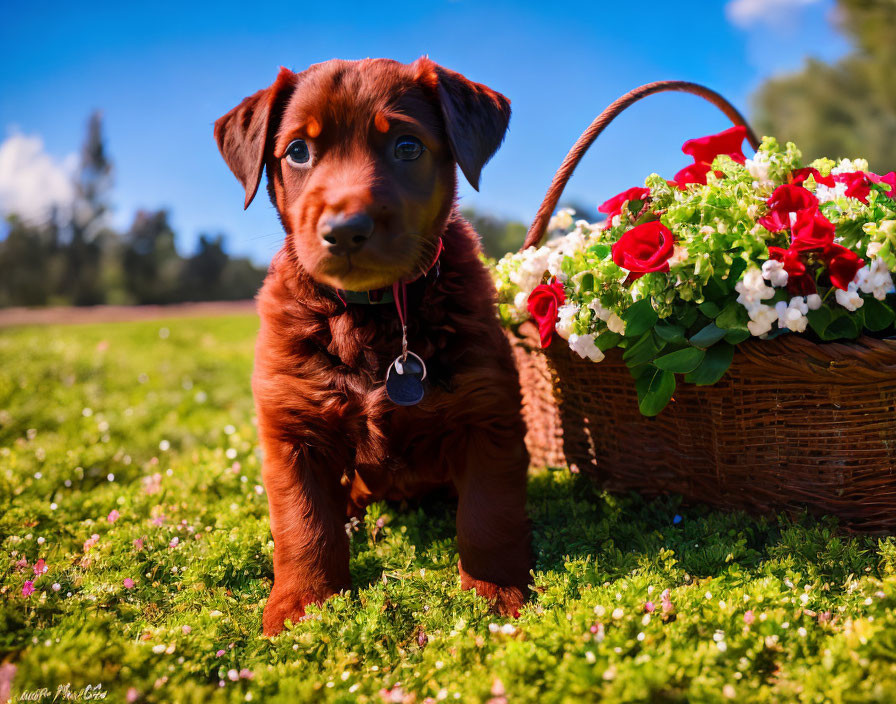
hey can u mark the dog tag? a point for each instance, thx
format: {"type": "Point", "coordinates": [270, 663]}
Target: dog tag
{"type": "Point", "coordinates": [404, 380]}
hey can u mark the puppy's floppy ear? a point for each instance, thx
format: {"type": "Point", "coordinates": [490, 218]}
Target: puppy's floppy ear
{"type": "Point", "coordinates": [476, 116]}
{"type": "Point", "coordinates": [244, 133]}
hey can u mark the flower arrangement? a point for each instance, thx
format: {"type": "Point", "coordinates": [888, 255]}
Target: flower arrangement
{"type": "Point", "coordinates": [682, 271]}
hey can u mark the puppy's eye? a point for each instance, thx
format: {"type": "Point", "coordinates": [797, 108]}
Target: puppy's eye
{"type": "Point", "coordinates": [297, 152]}
{"type": "Point", "coordinates": [408, 148]}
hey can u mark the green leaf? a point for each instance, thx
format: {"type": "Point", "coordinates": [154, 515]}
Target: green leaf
{"type": "Point", "coordinates": [607, 340]}
{"type": "Point", "coordinates": [670, 332]}
{"type": "Point", "coordinates": [819, 320]}
{"type": "Point", "coordinates": [689, 316]}
{"type": "Point", "coordinates": [735, 337]}
{"type": "Point", "coordinates": [599, 250]}
{"type": "Point", "coordinates": [878, 315]}
{"type": "Point", "coordinates": [643, 350]}
{"type": "Point", "coordinates": [709, 309]}
{"type": "Point", "coordinates": [733, 317]}
{"type": "Point", "coordinates": [681, 361]}
{"type": "Point", "coordinates": [708, 336]}
{"type": "Point", "coordinates": [655, 389]}
{"type": "Point", "coordinates": [715, 364]}
{"type": "Point", "coordinates": [639, 318]}
{"type": "Point", "coordinates": [844, 326]}
{"type": "Point", "coordinates": [738, 267]}
{"type": "Point", "coordinates": [587, 281]}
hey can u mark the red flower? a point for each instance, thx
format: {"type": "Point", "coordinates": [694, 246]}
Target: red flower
{"type": "Point", "coordinates": [614, 205]}
{"type": "Point", "coordinates": [858, 185]}
{"type": "Point", "coordinates": [645, 248]}
{"type": "Point", "coordinates": [842, 264]}
{"type": "Point", "coordinates": [542, 304]}
{"type": "Point", "coordinates": [799, 281]}
{"type": "Point", "coordinates": [730, 143]}
{"type": "Point", "coordinates": [887, 180]}
{"type": "Point", "coordinates": [799, 175]}
{"type": "Point", "coordinates": [692, 173]}
{"type": "Point", "coordinates": [705, 149]}
{"type": "Point", "coordinates": [812, 230]}
{"type": "Point", "coordinates": [785, 200]}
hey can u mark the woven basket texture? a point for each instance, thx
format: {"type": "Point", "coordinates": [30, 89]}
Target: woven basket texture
{"type": "Point", "coordinates": [793, 424]}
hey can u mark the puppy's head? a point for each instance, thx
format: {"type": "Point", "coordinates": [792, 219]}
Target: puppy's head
{"type": "Point", "coordinates": [360, 157]}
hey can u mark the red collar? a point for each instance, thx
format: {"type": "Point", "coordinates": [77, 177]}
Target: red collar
{"type": "Point", "coordinates": [388, 294]}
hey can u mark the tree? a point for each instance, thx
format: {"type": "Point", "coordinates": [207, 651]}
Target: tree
{"type": "Point", "coordinates": [152, 266]}
{"type": "Point", "coordinates": [82, 277]}
{"type": "Point", "coordinates": [498, 235]}
{"type": "Point", "coordinates": [847, 108]}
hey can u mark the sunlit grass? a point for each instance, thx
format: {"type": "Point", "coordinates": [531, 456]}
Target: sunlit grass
{"type": "Point", "coordinates": [154, 421]}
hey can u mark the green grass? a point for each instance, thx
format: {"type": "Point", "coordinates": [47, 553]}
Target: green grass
{"type": "Point", "coordinates": [89, 415]}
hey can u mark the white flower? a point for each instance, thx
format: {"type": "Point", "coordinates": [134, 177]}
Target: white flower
{"type": "Point", "coordinates": [850, 299]}
{"type": "Point", "coordinates": [792, 316]}
{"type": "Point", "coordinates": [565, 316]}
{"type": "Point", "coordinates": [813, 300]}
{"type": "Point", "coordinates": [761, 319]}
{"type": "Point", "coordinates": [679, 255]}
{"type": "Point", "coordinates": [873, 249]}
{"type": "Point", "coordinates": [752, 288]}
{"type": "Point", "coordinates": [828, 193]}
{"type": "Point", "coordinates": [875, 278]}
{"type": "Point", "coordinates": [847, 166]}
{"type": "Point", "coordinates": [774, 272]}
{"type": "Point", "coordinates": [616, 324]}
{"type": "Point", "coordinates": [758, 167]}
{"type": "Point", "coordinates": [583, 345]}
{"type": "Point", "coordinates": [613, 321]}
{"type": "Point", "coordinates": [562, 219]}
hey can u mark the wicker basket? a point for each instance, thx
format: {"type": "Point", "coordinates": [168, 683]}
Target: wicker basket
{"type": "Point", "coordinates": [793, 424]}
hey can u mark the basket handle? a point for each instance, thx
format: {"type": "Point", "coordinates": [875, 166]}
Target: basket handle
{"type": "Point", "coordinates": [539, 225]}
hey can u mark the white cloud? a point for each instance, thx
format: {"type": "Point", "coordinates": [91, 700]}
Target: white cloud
{"type": "Point", "coordinates": [32, 182]}
{"type": "Point", "coordinates": [746, 13]}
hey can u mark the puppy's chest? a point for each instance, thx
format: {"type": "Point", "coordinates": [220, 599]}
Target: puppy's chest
{"type": "Point", "coordinates": [361, 355]}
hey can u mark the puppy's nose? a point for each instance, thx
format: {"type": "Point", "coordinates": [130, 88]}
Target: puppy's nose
{"type": "Point", "coordinates": [344, 234]}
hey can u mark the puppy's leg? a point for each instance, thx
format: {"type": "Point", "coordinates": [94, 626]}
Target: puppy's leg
{"type": "Point", "coordinates": [493, 531]}
{"type": "Point", "coordinates": [311, 550]}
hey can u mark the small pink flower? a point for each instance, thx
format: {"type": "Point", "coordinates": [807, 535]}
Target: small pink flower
{"type": "Point", "coordinates": [152, 484]}
{"type": "Point", "coordinates": [90, 542]}
{"type": "Point", "coordinates": [40, 567]}
{"type": "Point", "coordinates": [246, 674]}
{"type": "Point", "coordinates": [174, 542]}
{"type": "Point", "coordinates": [128, 583]}
{"type": "Point", "coordinates": [56, 586]}
{"type": "Point", "coordinates": [233, 675]}
{"type": "Point", "coordinates": [185, 630]}
{"type": "Point", "coordinates": [113, 516]}
{"type": "Point", "coordinates": [28, 588]}
{"type": "Point", "coordinates": [219, 653]}
{"type": "Point", "coordinates": [158, 520]}
{"type": "Point", "coordinates": [138, 543]}
{"type": "Point", "coordinates": [650, 607]}
{"type": "Point", "coordinates": [132, 695]}
{"type": "Point", "coordinates": [21, 565]}
{"type": "Point", "coordinates": [749, 617]}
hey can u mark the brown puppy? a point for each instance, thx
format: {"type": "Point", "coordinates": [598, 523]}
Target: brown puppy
{"type": "Point", "coordinates": [360, 159]}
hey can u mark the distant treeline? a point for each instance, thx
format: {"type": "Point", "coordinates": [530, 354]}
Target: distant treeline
{"type": "Point", "coordinates": [77, 258]}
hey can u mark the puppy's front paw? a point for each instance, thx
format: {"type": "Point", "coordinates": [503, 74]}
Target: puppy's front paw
{"type": "Point", "coordinates": [278, 609]}
{"type": "Point", "coordinates": [503, 601]}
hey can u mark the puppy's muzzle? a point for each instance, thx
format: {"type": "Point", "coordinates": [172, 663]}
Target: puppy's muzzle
{"type": "Point", "coordinates": [344, 234]}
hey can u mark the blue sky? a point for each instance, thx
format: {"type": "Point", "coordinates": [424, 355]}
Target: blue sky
{"type": "Point", "coordinates": [162, 73]}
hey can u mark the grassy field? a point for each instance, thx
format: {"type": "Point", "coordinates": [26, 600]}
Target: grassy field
{"type": "Point", "coordinates": [130, 503]}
